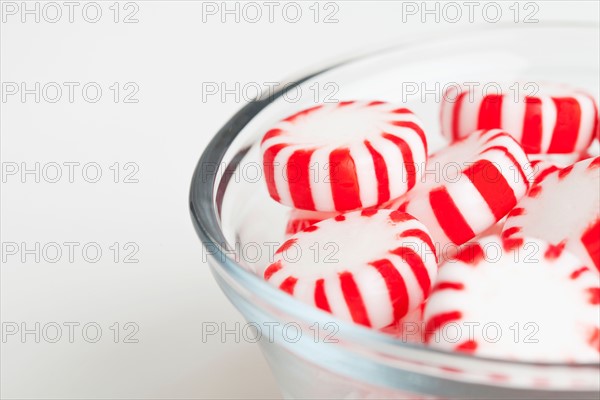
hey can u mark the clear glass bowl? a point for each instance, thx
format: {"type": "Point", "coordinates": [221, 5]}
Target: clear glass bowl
{"type": "Point", "coordinates": [312, 354]}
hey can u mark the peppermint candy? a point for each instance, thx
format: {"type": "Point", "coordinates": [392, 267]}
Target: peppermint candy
{"type": "Point", "coordinates": [344, 156]}
{"type": "Point", "coordinates": [530, 302]}
{"type": "Point", "coordinates": [564, 209]}
{"type": "Point", "coordinates": [556, 119]}
{"type": "Point", "coordinates": [372, 267]}
{"type": "Point", "coordinates": [482, 178]}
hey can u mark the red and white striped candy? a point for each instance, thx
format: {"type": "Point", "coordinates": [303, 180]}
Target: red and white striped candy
{"type": "Point", "coordinates": [563, 209]}
{"type": "Point", "coordinates": [557, 119]}
{"type": "Point", "coordinates": [301, 219]}
{"type": "Point", "coordinates": [343, 156]}
{"type": "Point", "coordinates": [371, 267]}
{"type": "Point", "coordinates": [469, 186]}
{"type": "Point", "coordinates": [528, 303]}
{"type": "Point", "coordinates": [540, 169]}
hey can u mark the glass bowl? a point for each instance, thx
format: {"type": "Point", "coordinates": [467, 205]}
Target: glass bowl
{"type": "Point", "coordinates": [312, 354]}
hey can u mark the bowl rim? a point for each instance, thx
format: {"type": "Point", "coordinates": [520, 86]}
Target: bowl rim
{"type": "Point", "coordinates": [206, 191]}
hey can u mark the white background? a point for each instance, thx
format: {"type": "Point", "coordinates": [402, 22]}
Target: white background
{"type": "Point", "coordinates": [169, 53]}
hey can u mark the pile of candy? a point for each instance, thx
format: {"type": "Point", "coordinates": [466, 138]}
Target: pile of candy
{"type": "Point", "coordinates": [487, 246]}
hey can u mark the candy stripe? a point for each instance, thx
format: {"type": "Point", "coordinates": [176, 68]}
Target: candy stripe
{"type": "Point", "coordinates": [422, 236]}
{"type": "Point", "coordinates": [395, 285]}
{"type": "Point", "coordinates": [577, 273]}
{"type": "Point", "coordinates": [354, 299]}
{"type": "Point", "coordinates": [456, 115]}
{"type": "Point", "coordinates": [516, 165]}
{"type": "Point", "coordinates": [383, 185]}
{"type": "Point", "coordinates": [271, 134]}
{"type": "Point", "coordinates": [288, 285]}
{"type": "Point", "coordinates": [544, 173]}
{"type": "Point", "coordinates": [269, 168]}
{"type": "Point", "coordinates": [468, 346]}
{"type": "Point", "coordinates": [415, 127]}
{"type": "Point", "coordinates": [286, 245]}
{"type": "Point", "coordinates": [437, 321]}
{"type": "Point", "coordinates": [490, 112]}
{"type": "Point", "coordinates": [594, 295]}
{"type": "Point", "coordinates": [320, 296]}
{"type": "Point", "coordinates": [415, 262]}
{"type": "Point", "coordinates": [498, 135]}
{"type": "Point", "coordinates": [295, 226]}
{"type": "Point", "coordinates": [344, 182]}
{"type": "Point", "coordinates": [406, 156]}
{"type": "Point", "coordinates": [532, 126]}
{"type": "Point", "coordinates": [496, 192]}
{"type": "Point", "coordinates": [304, 112]}
{"type": "Point", "coordinates": [568, 117]}
{"type": "Point", "coordinates": [272, 269]}
{"type": "Point", "coordinates": [448, 286]}
{"type": "Point", "coordinates": [449, 216]}
{"type": "Point", "coordinates": [591, 242]}
{"type": "Point", "coordinates": [298, 175]}
{"type": "Point", "coordinates": [470, 253]}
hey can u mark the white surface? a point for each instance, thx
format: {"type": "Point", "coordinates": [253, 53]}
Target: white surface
{"type": "Point", "coordinates": [170, 293]}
